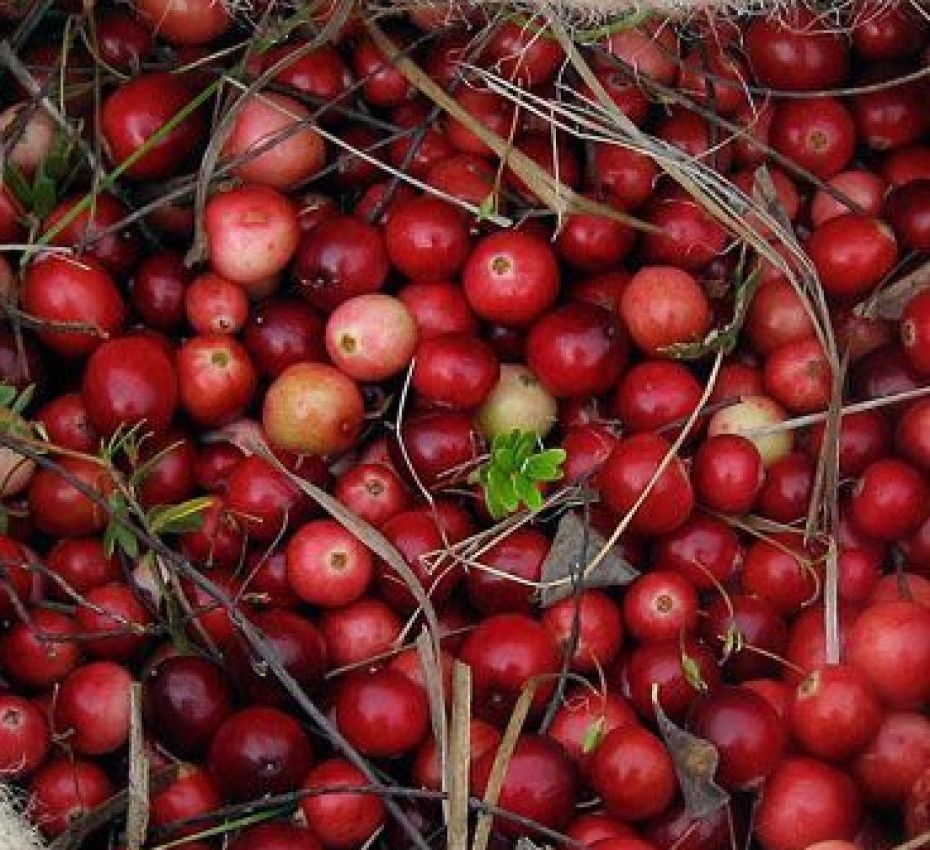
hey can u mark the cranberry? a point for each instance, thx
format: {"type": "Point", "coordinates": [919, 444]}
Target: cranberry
{"type": "Point", "coordinates": [599, 625]}
{"type": "Point", "coordinates": [59, 508]}
{"type": "Point", "coordinates": [505, 651]}
{"type": "Point", "coordinates": [727, 473]}
{"type": "Point", "coordinates": [276, 836]}
{"type": "Point", "coordinates": [890, 117]}
{"type": "Point", "coordinates": [116, 252]}
{"type": "Point", "coordinates": [327, 565]}
{"type": "Point", "coordinates": [195, 23]}
{"type": "Point", "coordinates": [781, 572]}
{"type": "Point", "coordinates": [438, 307]}
{"type": "Point", "coordinates": [359, 632]}
{"type": "Point", "coordinates": [280, 333]}
{"type": "Point", "coordinates": [662, 306]}
{"type": "Point", "coordinates": [114, 612]}
{"type": "Point", "coordinates": [633, 773]}
{"type": "Point", "coordinates": [887, 769]}
{"type": "Point", "coordinates": [688, 237]}
{"type": "Point", "coordinates": [58, 289]}
{"type": "Point", "coordinates": [384, 84]}
{"type": "Point", "coordinates": [216, 305]}
{"type": "Point", "coordinates": [42, 652]}
{"type": "Point", "coordinates": [130, 381]}
{"type": "Point", "coordinates": [427, 239]}
{"type": "Point", "coordinates": [748, 734]}
{"type": "Point", "coordinates": [798, 375]}
{"type": "Point", "coordinates": [785, 495]}
{"type": "Point", "coordinates": [852, 254]}
{"type": "Point", "coordinates": [881, 32]}
{"type": "Point", "coordinates": [372, 491]}
{"type": "Point", "coordinates": [655, 394]}
{"type": "Point", "coordinates": [297, 155]}
{"type": "Point", "coordinates": [185, 699]}
{"type": "Point", "coordinates": [796, 52]}
{"type": "Point", "coordinates": [834, 714]}
{"type": "Point", "coordinates": [539, 783]}
{"type": "Point", "coordinates": [341, 820]}
{"type": "Point", "coordinates": [340, 258]}
{"type": "Point", "coordinates": [889, 500]}
{"type": "Point", "coordinates": [624, 176]}
{"type": "Point", "coordinates": [594, 243]}
{"type": "Point", "coordinates": [909, 214]}
{"type": "Point", "coordinates": [65, 790]}
{"type": "Point", "coordinates": [650, 50]}
{"type": "Point", "coordinates": [216, 379]}
{"type": "Point", "coordinates": [816, 135]}
{"type": "Point", "coordinates": [703, 549]}
{"type": "Point", "coordinates": [627, 473]}
{"type": "Point", "coordinates": [762, 635]}
{"type": "Point", "coordinates": [483, 738]}
{"type": "Point", "coordinates": [139, 109]}
{"type": "Point", "coordinates": [889, 644]}
{"type": "Point", "coordinates": [158, 290]}
{"type": "Point", "coordinates": [660, 605]}
{"type": "Point", "coordinates": [521, 555]}
{"type": "Point", "coordinates": [383, 714]}
{"type": "Point", "coordinates": [299, 647]}
{"type": "Point", "coordinates": [439, 447]}
{"type": "Point", "coordinates": [92, 708]}
{"type": "Point", "coordinates": [257, 751]}
{"type": "Point", "coordinates": [863, 187]}
{"type": "Point", "coordinates": [371, 337]}
{"type": "Point", "coordinates": [123, 41]}
{"type": "Point", "coordinates": [576, 350]}
{"type": "Point", "coordinates": [864, 438]}
{"type": "Point", "coordinates": [24, 737]}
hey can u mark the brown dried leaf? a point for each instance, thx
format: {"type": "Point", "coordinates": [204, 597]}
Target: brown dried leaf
{"type": "Point", "coordinates": [501, 762]}
{"type": "Point", "coordinates": [695, 761]}
{"type": "Point", "coordinates": [459, 760]}
{"type": "Point", "coordinates": [137, 811]}
{"type": "Point", "coordinates": [570, 550]}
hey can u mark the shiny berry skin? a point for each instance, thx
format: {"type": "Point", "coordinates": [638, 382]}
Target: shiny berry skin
{"type": "Point", "coordinates": [258, 751]}
{"type": "Point", "coordinates": [438, 307]}
{"type": "Point", "coordinates": [281, 332]}
{"type": "Point", "coordinates": [727, 473]}
{"type": "Point", "coordinates": [92, 708]}
{"type": "Point", "coordinates": [216, 379]}
{"type": "Point", "coordinates": [191, 23]}
{"type": "Point", "coordinates": [795, 52]}
{"type": "Point", "coordinates": [427, 239]}
{"type": "Point", "coordinates": [834, 714]}
{"type": "Point", "coordinates": [185, 699]}
{"type": "Point", "coordinates": [64, 790]}
{"type": "Point", "coordinates": [539, 784]}
{"type": "Point", "coordinates": [216, 305]}
{"type": "Point", "coordinates": [779, 571]}
{"type": "Point", "coordinates": [888, 768]}
{"type": "Point", "coordinates": [136, 111]}
{"type": "Point", "coordinates": [130, 381]}
{"type": "Point", "coordinates": [42, 652]}
{"type": "Point", "coordinates": [585, 718]}
{"type": "Point", "coordinates": [59, 508]}
{"type": "Point", "coordinates": [628, 471]}
{"type": "Point", "coordinates": [654, 394]}
{"type": "Point", "coordinates": [67, 423]}
{"type": "Point", "coordinates": [761, 628]}
{"type": "Point", "coordinates": [299, 647]}
{"type": "Point", "coordinates": [688, 237]}
{"type": "Point", "coordinates": [158, 290]}
{"type": "Point", "coordinates": [852, 254]}
{"type": "Point", "coordinates": [703, 549]}
{"type": "Point", "coordinates": [785, 495]}
{"type": "Point", "coordinates": [908, 209]}
{"type": "Point", "coordinates": [117, 252]}
{"type": "Point", "coordinates": [915, 332]}
{"type": "Point", "coordinates": [362, 630]}
{"type": "Point", "coordinates": [600, 629]}
{"type": "Point", "coordinates": [662, 306]}
{"type": "Point", "coordinates": [864, 437]}
{"type": "Point", "coordinates": [798, 376]}
{"type": "Point", "coordinates": [805, 801]}
{"type": "Point", "coordinates": [505, 651]}
{"type": "Point", "coordinates": [521, 555]}
{"type": "Point", "coordinates": [817, 135]}
{"type": "Point", "coordinates": [123, 41]}
{"type": "Point", "coordinates": [59, 289]}
{"type": "Point", "coordinates": [660, 663]}
{"type": "Point", "coordinates": [660, 605]}
{"type": "Point", "coordinates": [890, 500]}
{"type": "Point", "coordinates": [594, 243]}
{"type": "Point", "coordinates": [327, 565]}
{"type": "Point", "coordinates": [341, 820]}
{"type": "Point", "coordinates": [113, 611]}
{"type": "Point", "coordinates": [340, 258]}
{"type": "Point", "coordinates": [890, 644]}
{"type": "Point", "coordinates": [749, 736]}
{"type": "Point", "coordinates": [382, 714]}
{"type": "Point", "coordinates": [633, 774]}
{"type": "Point", "coordinates": [576, 350]}
{"type": "Point", "coordinates": [24, 737]}
{"type": "Point", "coordinates": [454, 370]}
{"type": "Point", "coordinates": [510, 278]}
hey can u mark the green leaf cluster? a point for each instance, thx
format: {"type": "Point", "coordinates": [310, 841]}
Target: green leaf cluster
{"type": "Point", "coordinates": [42, 195]}
{"type": "Point", "coordinates": [515, 469]}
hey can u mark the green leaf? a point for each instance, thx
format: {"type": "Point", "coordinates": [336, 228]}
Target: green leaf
{"type": "Point", "coordinates": [487, 207]}
{"type": "Point", "coordinates": [545, 466]}
{"type": "Point", "coordinates": [593, 736]}
{"type": "Point", "coordinates": [179, 519]}
{"type": "Point", "coordinates": [7, 395]}
{"type": "Point", "coordinates": [44, 193]}
{"type": "Point", "coordinates": [16, 183]}
{"type": "Point", "coordinates": [692, 672]}
{"type": "Point", "coordinates": [528, 492]}
{"type": "Point", "coordinates": [21, 402]}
